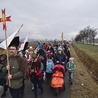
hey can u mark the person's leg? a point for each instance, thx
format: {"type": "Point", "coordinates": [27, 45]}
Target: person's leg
{"type": "Point", "coordinates": [40, 82]}
{"type": "Point", "coordinates": [15, 92]}
{"type": "Point", "coordinates": [32, 86]}
{"type": "Point", "coordinates": [23, 87]}
{"type": "Point", "coordinates": [5, 90]}
{"type": "Point", "coordinates": [44, 77]}
{"type": "Point", "coordinates": [47, 76]}
{"type": "Point", "coordinates": [69, 75]}
{"type": "Point", "coordinates": [50, 76]}
{"type": "Point", "coordinates": [35, 88]}
{"type": "Point", "coordinates": [72, 73]}
{"type": "Point", "coordinates": [5, 87]}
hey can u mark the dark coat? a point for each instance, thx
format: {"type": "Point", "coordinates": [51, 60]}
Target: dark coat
{"type": "Point", "coordinates": [43, 54]}
{"type": "Point", "coordinates": [2, 74]}
{"type": "Point", "coordinates": [17, 70]}
{"type": "Point", "coordinates": [60, 57]}
{"type": "Point", "coordinates": [38, 71]}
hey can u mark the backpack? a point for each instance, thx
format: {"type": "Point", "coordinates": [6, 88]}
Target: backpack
{"type": "Point", "coordinates": [49, 66]}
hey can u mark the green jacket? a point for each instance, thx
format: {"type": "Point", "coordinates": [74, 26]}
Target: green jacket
{"type": "Point", "coordinates": [17, 70]}
{"type": "Point", "coordinates": [70, 66]}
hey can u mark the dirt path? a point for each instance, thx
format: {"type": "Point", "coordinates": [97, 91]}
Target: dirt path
{"type": "Point", "coordinates": [84, 85]}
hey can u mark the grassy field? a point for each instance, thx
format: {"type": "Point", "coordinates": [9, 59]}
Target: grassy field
{"type": "Point", "coordinates": [89, 56]}
{"type": "Point", "coordinates": [84, 85]}
{"type": "Point", "coordinates": [90, 50]}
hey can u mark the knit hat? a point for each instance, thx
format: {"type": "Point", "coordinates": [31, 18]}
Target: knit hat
{"type": "Point", "coordinates": [71, 59]}
{"type": "Point", "coordinates": [30, 48]}
{"type": "Point", "coordinates": [60, 48]}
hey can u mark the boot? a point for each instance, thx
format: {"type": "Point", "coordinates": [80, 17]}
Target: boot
{"type": "Point", "coordinates": [3, 95]}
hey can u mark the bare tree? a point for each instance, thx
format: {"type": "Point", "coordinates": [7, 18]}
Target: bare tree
{"type": "Point", "coordinates": [87, 35]}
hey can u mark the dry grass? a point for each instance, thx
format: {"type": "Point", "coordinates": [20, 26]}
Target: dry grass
{"type": "Point", "coordinates": [84, 85]}
{"type": "Point", "coordinates": [85, 54]}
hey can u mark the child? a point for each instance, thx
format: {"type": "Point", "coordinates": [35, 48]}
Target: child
{"type": "Point", "coordinates": [71, 67]}
{"type": "Point", "coordinates": [49, 67]}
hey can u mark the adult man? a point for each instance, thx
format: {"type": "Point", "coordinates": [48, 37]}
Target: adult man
{"type": "Point", "coordinates": [17, 70]}
{"type": "Point", "coordinates": [22, 54]}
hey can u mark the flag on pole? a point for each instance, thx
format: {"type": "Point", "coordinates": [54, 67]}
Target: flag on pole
{"type": "Point", "coordinates": [15, 41]}
{"type": "Point", "coordinates": [4, 19]}
{"type": "Point", "coordinates": [12, 39]}
{"type": "Point", "coordinates": [24, 44]}
{"type": "Point", "coordinates": [9, 40]}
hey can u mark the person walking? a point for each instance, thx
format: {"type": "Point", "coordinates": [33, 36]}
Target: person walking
{"type": "Point", "coordinates": [37, 74]}
{"type": "Point", "coordinates": [49, 67]}
{"type": "Point", "coordinates": [22, 54]}
{"type": "Point", "coordinates": [60, 57]}
{"type": "Point", "coordinates": [71, 67]}
{"type": "Point", "coordinates": [3, 58]}
{"type": "Point", "coordinates": [17, 70]}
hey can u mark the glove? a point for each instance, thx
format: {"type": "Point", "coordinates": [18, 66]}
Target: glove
{"type": "Point", "coordinates": [63, 62]}
{"type": "Point", "coordinates": [69, 69]}
{"type": "Point", "coordinates": [57, 61]}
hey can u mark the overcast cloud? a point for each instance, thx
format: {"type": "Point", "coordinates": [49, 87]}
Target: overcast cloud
{"type": "Point", "coordinates": [49, 18]}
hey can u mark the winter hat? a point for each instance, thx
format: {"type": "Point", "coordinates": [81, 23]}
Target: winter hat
{"type": "Point", "coordinates": [60, 48]}
{"type": "Point", "coordinates": [39, 47]}
{"type": "Point", "coordinates": [71, 59]}
{"type": "Point", "coordinates": [30, 48]}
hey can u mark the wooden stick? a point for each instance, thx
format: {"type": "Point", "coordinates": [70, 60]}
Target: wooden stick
{"type": "Point", "coordinates": [62, 39]}
{"type": "Point", "coordinates": [7, 56]}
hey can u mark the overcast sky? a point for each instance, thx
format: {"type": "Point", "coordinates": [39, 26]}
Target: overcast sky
{"type": "Point", "coordinates": [49, 18]}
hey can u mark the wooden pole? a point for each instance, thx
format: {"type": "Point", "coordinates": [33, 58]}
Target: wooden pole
{"type": "Point", "coordinates": [7, 56]}
{"type": "Point", "coordinates": [62, 39]}
{"type": "Point", "coordinates": [20, 27]}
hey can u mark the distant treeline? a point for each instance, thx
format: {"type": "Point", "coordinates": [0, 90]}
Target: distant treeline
{"type": "Point", "coordinates": [87, 35]}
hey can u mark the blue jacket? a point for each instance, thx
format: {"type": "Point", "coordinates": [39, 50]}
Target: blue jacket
{"type": "Point", "coordinates": [39, 47]}
{"type": "Point", "coordinates": [49, 66]}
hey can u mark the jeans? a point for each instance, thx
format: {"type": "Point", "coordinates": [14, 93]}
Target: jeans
{"type": "Point", "coordinates": [71, 76]}
{"type": "Point", "coordinates": [14, 92]}
{"type": "Point", "coordinates": [38, 83]}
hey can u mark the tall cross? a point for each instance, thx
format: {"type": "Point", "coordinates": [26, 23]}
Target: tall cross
{"type": "Point", "coordinates": [4, 19]}
{"type": "Point", "coordinates": [62, 38]}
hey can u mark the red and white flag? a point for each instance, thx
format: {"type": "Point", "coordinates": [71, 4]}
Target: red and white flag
{"type": "Point", "coordinates": [24, 44]}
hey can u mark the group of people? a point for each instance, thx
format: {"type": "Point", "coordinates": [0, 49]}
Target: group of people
{"type": "Point", "coordinates": [33, 64]}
